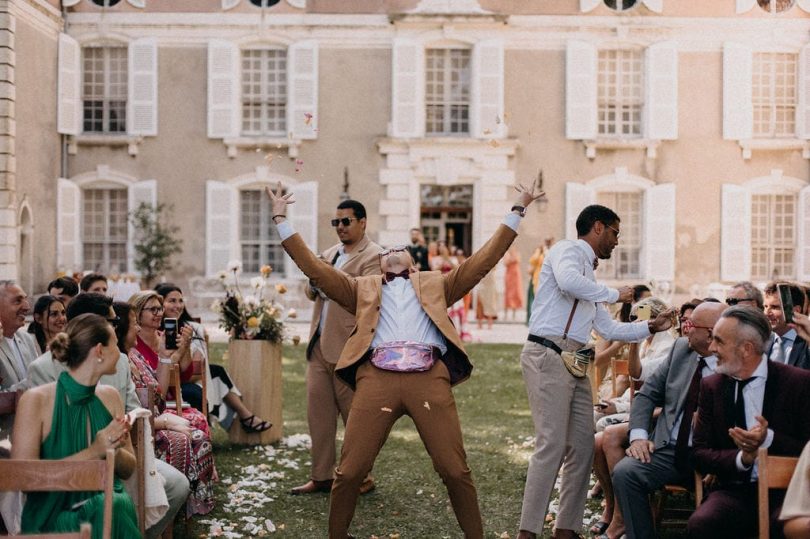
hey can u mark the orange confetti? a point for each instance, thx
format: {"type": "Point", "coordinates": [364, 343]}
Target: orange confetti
{"type": "Point", "coordinates": [307, 118]}
{"type": "Point", "coordinates": [494, 143]}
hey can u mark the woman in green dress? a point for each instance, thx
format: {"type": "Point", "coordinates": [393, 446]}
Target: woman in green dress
{"type": "Point", "coordinates": [74, 419]}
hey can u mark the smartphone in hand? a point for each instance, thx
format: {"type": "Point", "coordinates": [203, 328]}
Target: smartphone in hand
{"type": "Point", "coordinates": [643, 312]}
{"type": "Point", "coordinates": [170, 332]}
{"type": "Point", "coordinates": [787, 302]}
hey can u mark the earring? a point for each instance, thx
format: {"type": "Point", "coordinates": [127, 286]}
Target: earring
{"type": "Point", "coordinates": [100, 360]}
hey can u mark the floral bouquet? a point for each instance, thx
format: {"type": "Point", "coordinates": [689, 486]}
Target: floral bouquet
{"type": "Point", "coordinates": [258, 315]}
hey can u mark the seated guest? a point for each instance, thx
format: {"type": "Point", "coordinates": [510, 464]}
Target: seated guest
{"type": "Point", "coordinates": [786, 346]}
{"type": "Point", "coordinates": [196, 460]}
{"type": "Point", "coordinates": [685, 316]}
{"type": "Point", "coordinates": [77, 419]}
{"type": "Point", "coordinates": [660, 457]}
{"type": "Point", "coordinates": [223, 397]}
{"type": "Point", "coordinates": [94, 282]}
{"type": "Point", "coordinates": [18, 349]}
{"type": "Point", "coordinates": [796, 509]}
{"type": "Point", "coordinates": [49, 319]}
{"type": "Point", "coordinates": [750, 403]}
{"type": "Point", "coordinates": [63, 288]}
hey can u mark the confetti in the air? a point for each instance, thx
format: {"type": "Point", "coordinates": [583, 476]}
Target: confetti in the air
{"type": "Point", "coordinates": [307, 118]}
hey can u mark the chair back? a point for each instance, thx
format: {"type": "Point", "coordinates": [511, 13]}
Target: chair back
{"type": "Point", "coordinates": [174, 383]}
{"type": "Point", "coordinates": [774, 472]}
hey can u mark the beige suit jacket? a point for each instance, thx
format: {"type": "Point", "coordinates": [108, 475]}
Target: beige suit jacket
{"type": "Point", "coordinates": [10, 374]}
{"type": "Point", "coordinates": [362, 297]}
{"type": "Point", "coordinates": [339, 323]}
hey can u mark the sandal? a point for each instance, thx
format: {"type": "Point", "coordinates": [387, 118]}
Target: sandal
{"type": "Point", "coordinates": [599, 528]}
{"type": "Point", "coordinates": [247, 424]}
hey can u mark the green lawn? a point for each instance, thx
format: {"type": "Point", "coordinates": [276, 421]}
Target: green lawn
{"type": "Point", "coordinates": [410, 500]}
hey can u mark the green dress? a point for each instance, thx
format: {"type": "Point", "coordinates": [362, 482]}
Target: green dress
{"type": "Point", "coordinates": [75, 407]}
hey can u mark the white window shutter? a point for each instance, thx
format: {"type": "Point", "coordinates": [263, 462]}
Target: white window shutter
{"type": "Point", "coordinates": [735, 234]}
{"type": "Point", "coordinates": [138, 3]}
{"type": "Point", "coordinates": [142, 105]}
{"type": "Point", "coordinates": [588, 5]}
{"type": "Point", "coordinates": [223, 89]}
{"type": "Point", "coordinates": [738, 110]}
{"type": "Point", "coordinates": [408, 85]}
{"type": "Point", "coordinates": [803, 107]}
{"type": "Point", "coordinates": [487, 90]}
{"type": "Point", "coordinates": [577, 197]}
{"type": "Point", "coordinates": [656, 6]}
{"type": "Point", "coordinates": [221, 226]}
{"type": "Point", "coordinates": [803, 237]}
{"type": "Point", "coordinates": [68, 226]}
{"type": "Point", "coordinates": [229, 4]}
{"type": "Point", "coordinates": [304, 219]}
{"type": "Point", "coordinates": [580, 90]}
{"type": "Point", "coordinates": [744, 6]}
{"type": "Point", "coordinates": [140, 192]}
{"type": "Point", "coordinates": [659, 232]}
{"type": "Point", "coordinates": [69, 114]}
{"type": "Point", "coordinates": [302, 90]}
{"type": "Point", "coordinates": [661, 101]}
{"type": "Point", "coordinates": [804, 4]}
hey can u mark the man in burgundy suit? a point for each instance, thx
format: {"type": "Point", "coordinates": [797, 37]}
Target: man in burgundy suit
{"type": "Point", "coordinates": [750, 403]}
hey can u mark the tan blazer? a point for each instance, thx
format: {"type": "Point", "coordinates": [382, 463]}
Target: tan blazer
{"type": "Point", "coordinates": [10, 374]}
{"type": "Point", "coordinates": [339, 323]}
{"type": "Point", "coordinates": [362, 297]}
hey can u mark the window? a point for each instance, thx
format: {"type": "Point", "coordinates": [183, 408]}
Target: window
{"type": "Point", "coordinates": [620, 93]}
{"type": "Point", "coordinates": [260, 243]}
{"type": "Point", "coordinates": [264, 92]}
{"type": "Point", "coordinates": [625, 262]}
{"type": "Point", "coordinates": [776, 6]}
{"type": "Point", "coordinates": [104, 230]}
{"type": "Point", "coordinates": [774, 94]}
{"type": "Point", "coordinates": [106, 3]}
{"type": "Point", "coordinates": [104, 89]}
{"type": "Point", "coordinates": [447, 91]}
{"type": "Point", "coordinates": [264, 3]}
{"type": "Point", "coordinates": [773, 236]}
{"type": "Point", "coordinates": [620, 5]}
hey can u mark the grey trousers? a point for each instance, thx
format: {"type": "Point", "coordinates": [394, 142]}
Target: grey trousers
{"type": "Point", "coordinates": [177, 491]}
{"type": "Point", "coordinates": [562, 411]}
{"type": "Point", "coordinates": [633, 481]}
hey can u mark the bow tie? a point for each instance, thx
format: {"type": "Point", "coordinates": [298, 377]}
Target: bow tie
{"type": "Point", "coordinates": [390, 276]}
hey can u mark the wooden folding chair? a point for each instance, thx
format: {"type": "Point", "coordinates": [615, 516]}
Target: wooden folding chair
{"type": "Point", "coordinates": [63, 476]}
{"type": "Point", "coordinates": [774, 472]}
{"type": "Point", "coordinates": [174, 383]}
{"type": "Point", "coordinates": [138, 435]}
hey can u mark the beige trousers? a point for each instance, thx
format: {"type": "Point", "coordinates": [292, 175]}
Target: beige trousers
{"type": "Point", "coordinates": [562, 412]}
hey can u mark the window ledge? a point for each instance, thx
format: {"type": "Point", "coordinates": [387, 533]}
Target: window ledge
{"type": "Point", "coordinates": [591, 146]}
{"type": "Point", "coordinates": [774, 144]}
{"type": "Point", "coordinates": [130, 141]}
{"type": "Point", "coordinates": [234, 144]}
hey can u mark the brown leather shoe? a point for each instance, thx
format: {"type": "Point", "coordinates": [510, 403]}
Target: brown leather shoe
{"type": "Point", "coordinates": [312, 486]}
{"type": "Point", "coordinates": [367, 486]}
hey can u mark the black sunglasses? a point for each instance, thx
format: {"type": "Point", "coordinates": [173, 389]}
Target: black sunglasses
{"type": "Point", "coordinates": [345, 221]}
{"type": "Point", "coordinates": [114, 321]}
{"type": "Point", "coordinates": [731, 302]}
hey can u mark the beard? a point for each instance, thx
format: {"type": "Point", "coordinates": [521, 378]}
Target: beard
{"type": "Point", "coordinates": [730, 367]}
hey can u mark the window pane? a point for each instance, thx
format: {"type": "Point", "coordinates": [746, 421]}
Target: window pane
{"type": "Point", "coordinates": [447, 91]}
{"type": "Point", "coordinates": [625, 261]}
{"type": "Point", "coordinates": [105, 230]}
{"type": "Point", "coordinates": [620, 93]}
{"type": "Point", "coordinates": [264, 92]}
{"type": "Point", "coordinates": [259, 240]}
{"type": "Point", "coordinates": [774, 94]}
{"type": "Point", "coordinates": [773, 236]}
{"type": "Point", "coordinates": [104, 89]}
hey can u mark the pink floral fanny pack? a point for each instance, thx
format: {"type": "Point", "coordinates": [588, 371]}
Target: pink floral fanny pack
{"type": "Point", "coordinates": [404, 356]}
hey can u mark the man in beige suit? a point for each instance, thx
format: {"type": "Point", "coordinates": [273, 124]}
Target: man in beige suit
{"type": "Point", "coordinates": [402, 358]}
{"type": "Point", "coordinates": [18, 348]}
{"type": "Point", "coordinates": [355, 255]}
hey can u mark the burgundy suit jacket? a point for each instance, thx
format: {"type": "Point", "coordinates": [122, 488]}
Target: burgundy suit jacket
{"type": "Point", "coordinates": [786, 407]}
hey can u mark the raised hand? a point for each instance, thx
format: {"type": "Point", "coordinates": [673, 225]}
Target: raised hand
{"type": "Point", "coordinates": [528, 195]}
{"type": "Point", "coordinates": [279, 200]}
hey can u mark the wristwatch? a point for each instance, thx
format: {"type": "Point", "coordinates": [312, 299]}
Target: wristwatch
{"type": "Point", "coordinates": [165, 361]}
{"type": "Point", "coordinates": [520, 209]}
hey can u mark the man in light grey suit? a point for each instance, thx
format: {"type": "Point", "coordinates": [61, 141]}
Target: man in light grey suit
{"type": "Point", "coordinates": [663, 458]}
{"type": "Point", "coordinates": [18, 348]}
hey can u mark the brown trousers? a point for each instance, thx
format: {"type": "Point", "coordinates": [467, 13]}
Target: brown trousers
{"type": "Point", "coordinates": [326, 398]}
{"type": "Point", "coordinates": [382, 397]}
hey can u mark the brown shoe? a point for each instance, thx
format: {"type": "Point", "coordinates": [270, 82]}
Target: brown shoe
{"type": "Point", "coordinates": [367, 486]}
{"type": "Point", "coordinates": [312, 486]}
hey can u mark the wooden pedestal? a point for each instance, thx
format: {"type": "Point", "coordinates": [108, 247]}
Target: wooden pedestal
{"type": "Point", "coordinates": [255, 368]}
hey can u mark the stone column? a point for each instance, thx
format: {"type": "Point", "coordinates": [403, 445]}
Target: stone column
{"type": "Point", "coordinates": [8, 164]}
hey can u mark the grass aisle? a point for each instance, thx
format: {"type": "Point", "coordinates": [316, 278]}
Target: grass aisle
{"type": "Point", "coordinates": [410, 500]}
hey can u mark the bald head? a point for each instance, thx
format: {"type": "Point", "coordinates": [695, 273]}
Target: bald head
{"type": "Point", "coordinates": [704, 317]}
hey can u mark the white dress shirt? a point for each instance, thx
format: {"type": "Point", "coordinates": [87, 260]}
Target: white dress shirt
{"type": "Point", "coordinates": [566, 275]}
{"type": "Point", "coordinates": [754, 395]}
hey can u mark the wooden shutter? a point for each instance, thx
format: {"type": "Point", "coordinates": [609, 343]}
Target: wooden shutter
{"type": "Point", "coordinates": [661, 99]}
{"type": "Point", "coordinates": [659, 232]}
{"type": "Point", "coordinates": [223, 89]}
{"type": "Point", "coordinates": [302, 90]}
{"type": "Point", "coordinates": [68, 226]}
{"type": "Point", "coordinates": [221, 226]}
{"type": "Point", "coordinates": [735, 234]}
{"type": "Point", "coordinates": [577, 197]}
{"type": "Point", "coordinates": [142, 104]}
{"type": "Point", "coordinates": [69, 113]}
{"type": "Point", "coordinates": [803, 237]}
{"type": "Point", "coordinates": [408, 89]}
{"type": "Point", "coordinates": [228, 4]}
{"type": "Point", "coordinates": [738, 110]}
{"type": "Point", "coordinates": [656, 6]}
{"type": "Point", "coordinates": [580, 90]}
{"type": "Point", "coordinates": [487, 90]}
{"type": "Point", "coordinates": [803, 89]}
{"type": "Point", "coordinates": [744, 6]}
{"type": "Point", "coordinates": [140, 192]}
{"type": "Point", "coordinates": [304, 219]}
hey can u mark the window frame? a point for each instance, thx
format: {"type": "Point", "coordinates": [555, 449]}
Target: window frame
{"type": "Point", "coordinates": [447, 102]}
{"type": "Point", "coordinates": [263, 98]}
{"type": "Point", "coordinates": [771, 102]}
{"type": "Point", "coordinates": [106, 83]}
{"type": "Point", "coordinates": [105, 242]}
{"type": "Point", "coordinates": [613, 263]}
{"type": "Point", "coordinates": [268, 240]}
{"type": "Point", "coordinates": [621, 100]}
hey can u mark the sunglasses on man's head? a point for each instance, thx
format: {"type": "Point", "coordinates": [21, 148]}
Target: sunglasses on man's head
{"type": "Point", "coordinates": [397, 249]}
{"type": "Point", "coordinates": [345, 221]}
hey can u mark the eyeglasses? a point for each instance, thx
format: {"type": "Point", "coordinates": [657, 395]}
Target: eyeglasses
{"type": "Point", "coordinates": [731, 302]}
{"type": "Point", "coordinates": [154, 310]}
{"type": "Point", "coordinates": [345, 221]}
{"type": "Point", "coordinates": [616, 230]}
{"type": "Point", "coordinates": [688, 325]}
{"type": "Point", "coordinates": [397, 249]}
{"type": "Point", "coordinates": [114, 321]}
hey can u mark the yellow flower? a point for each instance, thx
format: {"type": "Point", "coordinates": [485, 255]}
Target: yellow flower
{"type": "Point", "coordinates": [296, 339]}
{"type": "Point", "coordinates": [280, 288]}
{"type": "Point", "coordinates": [253, 322]}
{"type": "Point", "coordinates": [266, 270]}
{"type": "Point", "coordinates": [292, 313]}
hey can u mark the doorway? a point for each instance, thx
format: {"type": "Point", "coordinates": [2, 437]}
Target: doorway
{"type": "Point", "coordinates": [446, 214]}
